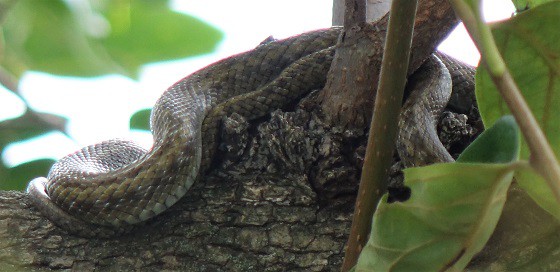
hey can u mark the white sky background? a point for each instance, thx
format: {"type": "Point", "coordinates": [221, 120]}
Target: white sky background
{"type": "Point", "coordinates": [100, 108]}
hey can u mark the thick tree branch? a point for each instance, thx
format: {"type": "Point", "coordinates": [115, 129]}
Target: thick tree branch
{"type": "Point", "coordinates": [280, 197]}
{"type": "Point", "coordinates": [268, 203]}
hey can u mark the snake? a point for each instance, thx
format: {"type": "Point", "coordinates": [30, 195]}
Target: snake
{"type": "Point", "coordinates": [104, 189]}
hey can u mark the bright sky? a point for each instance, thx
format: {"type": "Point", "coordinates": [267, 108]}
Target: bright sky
{"type": "Point", "coordinates": [100, 107]}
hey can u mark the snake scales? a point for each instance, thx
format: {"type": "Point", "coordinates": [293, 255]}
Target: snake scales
{"type": "Point", "coordinates": [107, 187]}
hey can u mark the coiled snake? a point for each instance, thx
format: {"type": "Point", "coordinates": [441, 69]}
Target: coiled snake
{"type": "Point", "coordinates": [108, 186]}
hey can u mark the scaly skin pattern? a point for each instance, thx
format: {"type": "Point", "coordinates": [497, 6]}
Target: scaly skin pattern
{"type": "Point", "coordinates": [419, 144]}
{"type": "Point", "coordinates": [115, 183]}
{"type": "Point", "coordinates": [432, 85]}
{"type": "Point", "coordinates": [102, 190]}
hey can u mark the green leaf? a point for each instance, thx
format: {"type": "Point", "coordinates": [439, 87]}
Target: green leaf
{"type": "Point", "coordinates": [147, 31]}
{"type": "Point", "coordinates": [451, 214]}
{"type": "Point", "coordinates": [527, 238]}
{"type": "Point", "coordinates": [42, 35]}
{"type": "Point", "coordinates": [522, 5]}
{"type": "Point", "coordinates": [117, 37]}
{"type": "Point", "coordinates": [25, 127]}
{"type": "Point", "coordinates": [530, 47]}
{"type": "Point", "coordinates": [29, 125]}
{"type": "Point", "coordinates": [16, 178]}
{"type": "Point", "coordinates": [494, 145]}
{"type": "Point", "coordinates": [141, 119]}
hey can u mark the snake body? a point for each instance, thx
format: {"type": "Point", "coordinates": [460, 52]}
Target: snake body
{"type": "Point", "coordinates": [432, 88]}
{"type": "Point", "coordinates": [114, 184]}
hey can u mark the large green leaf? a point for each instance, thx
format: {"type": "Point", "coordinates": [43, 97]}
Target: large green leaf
{"type": "Point", "coordinates": [114, 37]}
{"type": "Point", "coordinates": [521, 5]}
{"type": "Point", "coordinates": [530, 47]}
{"type": "Point", "coordinates": [29, 125]}
{"type": "Point", "coordinates": [151, 32]}
{"type": "Point", "coordinates": [495, 144]}
{"type": "Point", "coordinates": [16, 178]}
{"type": "Point", "coordinates": [452, 212]}
{"type": "Point", "coordinates": [22, 128]}
{"type": "Point", "coordinates": [527, 238]}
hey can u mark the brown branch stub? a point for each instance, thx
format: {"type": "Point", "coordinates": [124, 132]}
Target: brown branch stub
{"type": "Point", "coordinates": [350, 88]}
{"type": "Point", "coordinates": [354, 13]}
{"type": "Point", "coordinates": [349, 93]}
{"type": "Point", "coordinates": [375, 9]}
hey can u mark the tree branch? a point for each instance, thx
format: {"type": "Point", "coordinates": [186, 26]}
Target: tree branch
{"type": "Point", "coordinates": [268, 203]}
{"type": "Point", "coordinates": [350, 90]}
{"type": "Point", "coordinates": [543, 160]}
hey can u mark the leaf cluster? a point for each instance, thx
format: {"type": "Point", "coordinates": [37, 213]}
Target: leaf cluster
{"type": "Point", "coordinates": [455, 207]}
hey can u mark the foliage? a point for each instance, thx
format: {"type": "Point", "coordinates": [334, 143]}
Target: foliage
{"type": "Point", "coordinates": [23, 127]}
{"type": "Point", "coordinates": [86, 39]}
{"type": "Point", "coordinates": [112, 37]}
{"type": "Point", "coordinates": [521, 5]}
{"type": "Point", "coordinates": [530, 48]}
{"type": "Point", "coordinates": [453, 209]}
{"type": "Point", "coordinates": [141, 120]}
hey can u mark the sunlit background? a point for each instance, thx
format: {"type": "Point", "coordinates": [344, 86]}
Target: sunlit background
{"type": "Point", "coordinates": [99, 108]}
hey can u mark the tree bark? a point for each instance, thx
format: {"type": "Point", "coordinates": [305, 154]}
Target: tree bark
{"type": "Point", "coordinates": [375, 9]}
{"type": "Point", "coordinates": [279, 197]}
{"type": "Point", "coordinates": [349, 93]}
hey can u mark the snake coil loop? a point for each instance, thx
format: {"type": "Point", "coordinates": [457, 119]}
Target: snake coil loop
{"type": "Point", "coordinates": [102, 190]}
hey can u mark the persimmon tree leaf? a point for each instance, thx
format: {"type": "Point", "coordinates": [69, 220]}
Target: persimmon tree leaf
{"type": "Point", "coordinates": [521, 5]}
{"type": "Point", "coordinates": [529, 45]}
{"type": "Point", "coordinates": [111, 37]}
{"type": "Point", "coordinates": [11, 178]}
{"type": "Point", "coordinates": [141, 119]}
{"type": "Point", "coordinates": [22, 128]}
{"type": "Point", "coordinates": [498, 144]}
{"type": "Point", "coordinates": [527, 238]}
{"type": "Point", "coordinates": [453, 209]}
{"type": "Point", "coordinates": [150, 32]}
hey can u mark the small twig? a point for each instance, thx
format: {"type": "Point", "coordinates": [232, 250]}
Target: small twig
{"type": "Point", "coordinates": [383, 129]}
{"type": "Point", "coordinates": [542, 160]}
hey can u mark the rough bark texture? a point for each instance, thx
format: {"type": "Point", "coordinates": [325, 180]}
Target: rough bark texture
{"type": "Point", "coordinates": [375, 9]}
{"type": "Point", "coordinates": [280, 198]}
